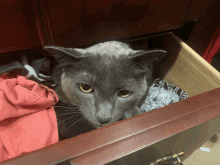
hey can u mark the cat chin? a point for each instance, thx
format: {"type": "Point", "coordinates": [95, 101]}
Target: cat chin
{"type": "Point", "coordinates": [130, 113]}
{"type": "Point", "coordinates": [102, 125]}
{"type": "Point", "coordinates": [94, 125]}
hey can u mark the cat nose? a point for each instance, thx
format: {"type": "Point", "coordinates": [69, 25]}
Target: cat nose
{"type": "Point", "coordinates": [103, 119]}
{"type": "Point", "coordinates": [104, 113]}
{"type": "Point", "coordinates": [103, 116]}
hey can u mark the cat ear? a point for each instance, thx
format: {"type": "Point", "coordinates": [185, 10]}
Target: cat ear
{"type": "Point", "coordinates": [65, 56]}
{"type": "Point", "coordinates": [60, 51]}
{"type": "Point", "coordinates": [153, 56]}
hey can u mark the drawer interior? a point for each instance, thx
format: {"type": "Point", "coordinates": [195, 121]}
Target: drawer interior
{"type": "Point", "coordinates": [182, 67]}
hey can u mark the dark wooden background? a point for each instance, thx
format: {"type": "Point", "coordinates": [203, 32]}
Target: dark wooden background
{"type": "Point", "coordinates": [32, 24]}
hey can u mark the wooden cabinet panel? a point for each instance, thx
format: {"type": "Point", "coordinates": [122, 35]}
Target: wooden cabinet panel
{"type": "Point", "coordinates": [77, 23]}
{"type": "Point", "coordinates": [29, 24]}
{"type": "Point", "coordinates": [17, 26]}
{"type": "Point", "coordinates": [199, 9]}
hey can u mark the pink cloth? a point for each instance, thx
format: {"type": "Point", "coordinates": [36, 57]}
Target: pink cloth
{"type": "Point", "coordinates": [27, 119]}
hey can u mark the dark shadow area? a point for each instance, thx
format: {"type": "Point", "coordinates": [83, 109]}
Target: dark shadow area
{"type": "Point", "coordinates": [216, 61]}
{"type": "Point", "coordinates": [67, 162]}
{"type": "Point", "coordinates": [185, 31]}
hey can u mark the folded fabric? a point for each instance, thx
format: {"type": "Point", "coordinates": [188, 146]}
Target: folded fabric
{"type": "Point", "coordinates": [27, 119]}
{"type": "Point", "coordinates": [34, 69]}
{"type": "Point", "coordinates": [161, 94]}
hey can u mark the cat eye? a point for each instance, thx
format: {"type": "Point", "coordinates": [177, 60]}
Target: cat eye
{"type": "Point", "coordinates": [124, 93]}
{"type": "Point", "coordinates": [85, 88]}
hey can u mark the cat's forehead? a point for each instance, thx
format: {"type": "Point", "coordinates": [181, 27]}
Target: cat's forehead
{"type": "Point", "coordinates": [110, 48]}
{"type": "Point", "coordinates": [111, 79]}
{"type": "Point", "coordinates": [113, 72]}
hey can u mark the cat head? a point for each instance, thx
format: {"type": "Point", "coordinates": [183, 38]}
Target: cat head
{"type": "Point", "coordinates": [108, 79]}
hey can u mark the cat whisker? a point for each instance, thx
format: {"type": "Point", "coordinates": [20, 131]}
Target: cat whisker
{"type": "Point", "coordinates": [73, 108]}
{"type": "Point", "coordinates": [67, 101]}
{"type": "Point", "coordinates": [72, 124]}
{"type": "Point", "coordinates": [66, 108]}
{"type": "Point", "coordinates": [69, 113]}
{"type": "Point", "coordinates": [72, 120]}
{"type": "Point", "coordinates": [63, 98]}
{"type": "Point", "coordinates": [69, 118]}
{"type": "Point", "coordinates": [70, 105]}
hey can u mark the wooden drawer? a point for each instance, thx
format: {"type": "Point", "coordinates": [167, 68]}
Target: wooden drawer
{"type": "Point", "coordinates": [77, 23]}
{"type": "Point", "coordinates": [31, 24]}
{"type": "Point", "coordinates": [183, 126]}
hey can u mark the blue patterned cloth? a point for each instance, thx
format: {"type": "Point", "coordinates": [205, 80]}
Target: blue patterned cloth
{"type": "Point", "coordinates": [161, 94]}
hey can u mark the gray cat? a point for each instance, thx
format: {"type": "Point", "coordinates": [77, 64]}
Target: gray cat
{"type": "Point", "coordinates": [109, 81]}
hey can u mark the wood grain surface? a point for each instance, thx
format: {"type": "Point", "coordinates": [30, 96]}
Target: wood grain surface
{"type": "Point", "coordinates": [192, 73]}
{"type": "Point", "coordinates": [17, 27]}
{"type": "Point", "coordinates": [77, 23]}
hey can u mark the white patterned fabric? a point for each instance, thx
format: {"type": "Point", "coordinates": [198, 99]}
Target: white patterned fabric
{"type": "Point", "coordinates": [161, 94]}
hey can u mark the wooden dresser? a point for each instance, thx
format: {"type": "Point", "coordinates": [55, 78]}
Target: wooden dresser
{"type": "Point", "coordinates": [29, 25]}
